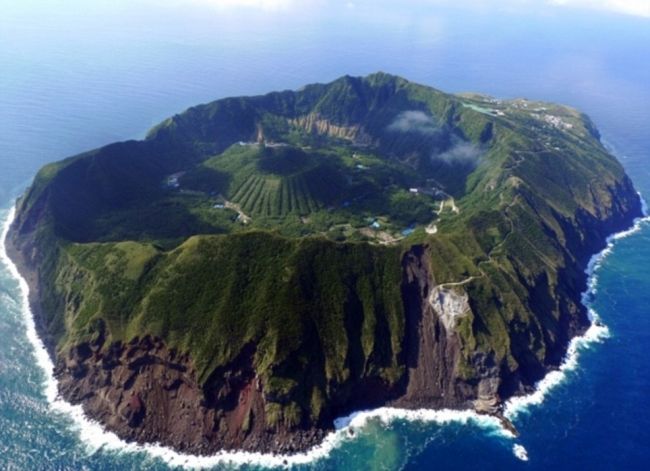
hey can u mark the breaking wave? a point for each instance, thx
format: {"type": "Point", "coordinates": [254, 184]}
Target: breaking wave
{"type": "Point", "coordinates": [96, 438]}
{"type": "Point", "coordinates": [596, 332]}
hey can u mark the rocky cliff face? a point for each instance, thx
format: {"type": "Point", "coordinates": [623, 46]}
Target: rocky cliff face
{"type": "Point", "coordinates": [432, 348]}
{"type": "Point", "coordinates": [313, 123]}
{"type": "Point", "coordinates": [146, 392]}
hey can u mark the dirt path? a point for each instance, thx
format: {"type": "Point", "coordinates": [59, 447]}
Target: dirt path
{"type": "Point", "coordinates": [245, 219]}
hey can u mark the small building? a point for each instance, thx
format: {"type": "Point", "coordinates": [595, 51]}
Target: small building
{"type": "Point", "coordinates": [414, 190]}
{"type": "Point", "coordinates": [172, 181]}
{"type": "Point", "coordinates": [375, 224]}
{"type": "Point", "coordinates": [219, 206]}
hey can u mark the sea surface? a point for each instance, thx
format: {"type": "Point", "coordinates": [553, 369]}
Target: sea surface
{"type": "Point", "coordinates": [76, 75]}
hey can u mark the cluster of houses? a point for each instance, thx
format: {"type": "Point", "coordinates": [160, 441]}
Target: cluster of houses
{"type": "Point", "coordinates": [376, 224]}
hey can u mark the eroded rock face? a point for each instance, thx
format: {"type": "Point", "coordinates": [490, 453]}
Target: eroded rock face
{"type": "Point", "coordinates": [317, 124]}
{"type": "Point", "coordinates": [148, 393]}
{"type": "Point", "coordinates": [432, 350]}
{"type": "Point", "coordinates": [434, 346]}
{"type": "Point", "coordinates": [449, 305]}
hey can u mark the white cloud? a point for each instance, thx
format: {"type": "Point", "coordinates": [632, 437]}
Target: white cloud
{"type": "Point", "coordinates": [628, 7]}
{"type": "Point", "coordinates": [461, 153]}
{"type": "Point", "coordinates": [257, 4]}
{"type": "Point", "coordinates": [413, 121]}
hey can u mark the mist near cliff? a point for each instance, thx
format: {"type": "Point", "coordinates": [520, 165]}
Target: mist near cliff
{"type": "Point", "coordinates": [457, 151]}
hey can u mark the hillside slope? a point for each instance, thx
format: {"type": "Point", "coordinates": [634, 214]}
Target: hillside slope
{"type": "Point", "coordinates": [258, 266]}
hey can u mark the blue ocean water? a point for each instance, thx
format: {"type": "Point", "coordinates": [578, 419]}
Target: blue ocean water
{"type": "Point", "coordinates": [76, 75]}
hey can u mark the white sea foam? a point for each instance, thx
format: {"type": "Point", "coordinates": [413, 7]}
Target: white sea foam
{"type": "Point", "coordinates": [439, 416]}
{"type": "Point", "coordinates": [95, 437]}
{"type": "Point", "coordinates": [644, 205]}
{"type": "Point", "coordinates": [596, 332]}
{"type": "Point", "coordinates": [520, 452]}
{"type": "Point", "coordinates": [519, 404]}
{"type": "Point", "coordinates": [5, 298]}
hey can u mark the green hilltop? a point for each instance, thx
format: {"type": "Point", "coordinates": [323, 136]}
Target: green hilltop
{"type": "Point", "coordinates": [282, 221]}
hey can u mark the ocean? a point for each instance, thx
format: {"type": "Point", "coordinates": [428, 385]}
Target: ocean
{"type": "Point", "coordinates": [77, 75]}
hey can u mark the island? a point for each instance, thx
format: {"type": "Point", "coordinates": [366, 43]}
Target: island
{"type": "Point", "coordinates": [259, 266]}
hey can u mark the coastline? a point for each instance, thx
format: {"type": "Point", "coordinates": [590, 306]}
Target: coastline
{"type": "Point", "coordinates": [96, 436]}
{"type": "Point", "coordinates": [595, 333]}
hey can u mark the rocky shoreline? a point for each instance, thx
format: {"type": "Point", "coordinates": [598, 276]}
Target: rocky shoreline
{"type": "Point", "coordinates": [117, 383]}
{"type": "Point", "coordinates": [30, 275]}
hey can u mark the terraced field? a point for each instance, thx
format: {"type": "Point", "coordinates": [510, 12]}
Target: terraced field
{"type": "Point", "coordinates": [274, 196]}
{"type": "Point", "coordinates": [273, 181]}
{"type": "Point", "coordinates": [337, 185]}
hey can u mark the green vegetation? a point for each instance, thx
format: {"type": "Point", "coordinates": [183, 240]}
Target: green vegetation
{"type": "Point", "coordinates": [281, 221]}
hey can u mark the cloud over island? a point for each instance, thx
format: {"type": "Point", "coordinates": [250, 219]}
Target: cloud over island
{"type": "Point", "coordinates": [459, 152]}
